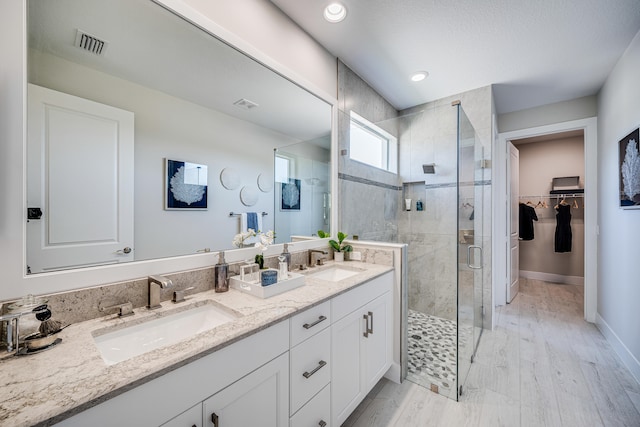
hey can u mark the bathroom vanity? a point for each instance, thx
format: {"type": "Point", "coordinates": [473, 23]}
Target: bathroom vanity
{"type": "Point", "coordinates": [304, 357]}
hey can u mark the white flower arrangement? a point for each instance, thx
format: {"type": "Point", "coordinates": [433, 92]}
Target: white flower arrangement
{"type": "Point", "coordinates": [264, 239]}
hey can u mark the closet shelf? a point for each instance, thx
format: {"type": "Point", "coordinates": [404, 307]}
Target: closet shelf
{"type": "Point", "coordinates": [567, 192]}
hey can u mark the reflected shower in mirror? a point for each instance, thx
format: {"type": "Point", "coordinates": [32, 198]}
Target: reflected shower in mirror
{"type": "Point", "coordinates": [117, 87]}
{"type": "Point", "coordinates": [302, 196]}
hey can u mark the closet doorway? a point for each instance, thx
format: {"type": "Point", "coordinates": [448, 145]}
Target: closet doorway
{"type": "Point", "coordinates": [551, 207]}
{"type": "Point", "coordinates": [589, 205]}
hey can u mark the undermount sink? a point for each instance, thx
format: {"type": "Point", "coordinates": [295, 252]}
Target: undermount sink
{"type": "Point", "coordinates": [125, 343]}
{"type": "Point", "coordinates": [333, 274]}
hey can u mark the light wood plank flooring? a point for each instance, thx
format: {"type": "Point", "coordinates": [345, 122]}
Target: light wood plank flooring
{"type": "Point", "coordinates": [543, 365]}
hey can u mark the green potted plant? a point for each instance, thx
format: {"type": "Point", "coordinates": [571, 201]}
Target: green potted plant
{"type": "Point", "coordinates": [339, 248]}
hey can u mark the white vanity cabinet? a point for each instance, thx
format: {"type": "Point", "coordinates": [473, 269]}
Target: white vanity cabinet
{"type": "Point", "coordinates": [310, 370]}
{"type": "Point", "coordinates": [361, 344]}
{"type": "Point", "coordinates": [245, 376]}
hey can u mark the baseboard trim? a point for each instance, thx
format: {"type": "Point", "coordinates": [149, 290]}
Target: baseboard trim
{"type": "Point", "coordinates": [550, 277]}
{"type": "Point", "coordinates": [618, 346]}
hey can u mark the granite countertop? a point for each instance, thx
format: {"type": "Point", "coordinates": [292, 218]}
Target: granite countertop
{"type": "Point", "coordinates": [42, 388]}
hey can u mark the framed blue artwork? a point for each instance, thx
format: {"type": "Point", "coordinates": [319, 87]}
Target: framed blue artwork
{"type": "Point", "coordinates": [290, 195]}
{"type": "Point", "coordinates": [630, 170]}
{"type": "Point", "coordinates": [185, 186]}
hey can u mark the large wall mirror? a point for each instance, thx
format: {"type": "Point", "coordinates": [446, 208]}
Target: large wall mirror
{"type": "Point", "coordinates": [130, 105]}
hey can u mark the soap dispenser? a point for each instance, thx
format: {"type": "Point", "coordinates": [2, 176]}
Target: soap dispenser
{"type": "Point", "coordinates": [287, 255]}
{"type": "Point", "coordinates": [221, 271]}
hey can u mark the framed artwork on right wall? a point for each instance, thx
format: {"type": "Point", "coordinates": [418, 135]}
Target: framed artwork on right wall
{"type": "Point", "coordinates": [629, 162]}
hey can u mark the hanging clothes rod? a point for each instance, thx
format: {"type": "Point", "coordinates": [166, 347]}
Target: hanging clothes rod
{"type": "Point", "coordinates": [237, 214]}
{"type": "Point", "coordinates": [552, 196]}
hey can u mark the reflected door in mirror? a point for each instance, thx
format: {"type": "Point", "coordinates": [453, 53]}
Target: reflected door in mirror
{"type": "Point", "coordinates": [80, 174]}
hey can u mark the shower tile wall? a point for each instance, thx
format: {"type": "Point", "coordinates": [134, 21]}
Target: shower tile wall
{"type": "Point", "coordinates": [428, 135]}
{"type": "Point", "coordinates": [371, 200]}
{"type": "Point", "coordinates": [362, 187]}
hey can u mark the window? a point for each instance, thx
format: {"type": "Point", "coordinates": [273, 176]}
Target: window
{"type": "Point", "coordinates": [371, 145]}
{"type": "Point", "coordinates": [282, 168]}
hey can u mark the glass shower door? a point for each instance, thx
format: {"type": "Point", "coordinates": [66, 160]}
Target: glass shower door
{"type": "Point", "coordinates": [470, 238]}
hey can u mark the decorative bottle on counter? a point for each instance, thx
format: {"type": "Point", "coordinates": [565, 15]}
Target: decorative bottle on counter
{"type": "Point", "coordinates": [287, 255]}
{"type": "Point", "coordinates": [221, 271]}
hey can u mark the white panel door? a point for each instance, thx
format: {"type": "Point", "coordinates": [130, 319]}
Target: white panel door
{"type": "Point", "coordinates": [513, 192]}
{"type": "Point", "coordinates": [80, 174]}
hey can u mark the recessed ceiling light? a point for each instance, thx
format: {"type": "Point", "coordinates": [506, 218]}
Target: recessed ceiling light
{"type": "Point", "coordinates": [419, 76]}
{"type": "Point", "coordinates": [335, 12]}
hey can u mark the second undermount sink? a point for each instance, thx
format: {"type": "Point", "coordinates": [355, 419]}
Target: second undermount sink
{"type": "Point", "coordinates": [130, 341]}
{"type": "Point", "coordinates": [333, 274]}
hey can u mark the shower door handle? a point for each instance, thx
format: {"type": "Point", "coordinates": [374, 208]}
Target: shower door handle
{"type": "Point", "coordinates": [475, 267]}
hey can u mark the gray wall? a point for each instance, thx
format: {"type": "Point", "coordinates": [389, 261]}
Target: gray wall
{"type": "Point", "coordinates": [618, 282]}
{"type": "Point", "coordinates": [575, 109]}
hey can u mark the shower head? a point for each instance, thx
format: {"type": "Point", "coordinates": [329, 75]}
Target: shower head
{"type": "Point", "coordinates": [429, 168]}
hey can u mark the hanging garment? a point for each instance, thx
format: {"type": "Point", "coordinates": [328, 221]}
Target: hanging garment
{"type": "Point", "coordinates": [563, 228]}
{"type": "Point", "coordinates": [527, 216]}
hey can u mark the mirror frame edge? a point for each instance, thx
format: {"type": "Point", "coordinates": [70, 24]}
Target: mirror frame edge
{"type": "Point", "coordinates": [60, 281]}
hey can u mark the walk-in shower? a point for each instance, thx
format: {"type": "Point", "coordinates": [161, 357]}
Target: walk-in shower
{"type": "Point", "coordinates": [441, 212]}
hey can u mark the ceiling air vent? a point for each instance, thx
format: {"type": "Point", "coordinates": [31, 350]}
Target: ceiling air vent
{"type": "Point", "coordinates": [245, 104]}
{"type": "Point", "coordinates": [89, 43]}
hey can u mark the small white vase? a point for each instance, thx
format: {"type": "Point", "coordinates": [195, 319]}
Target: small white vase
{"type": "Point", "coordinates": [338, 256]}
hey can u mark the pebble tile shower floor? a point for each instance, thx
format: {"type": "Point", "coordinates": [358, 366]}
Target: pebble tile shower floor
{"type": "Point", "coordinates": [432, 352]}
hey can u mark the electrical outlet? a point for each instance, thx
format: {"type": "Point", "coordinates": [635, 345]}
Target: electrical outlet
{"type": "Point", "coordinates": [355, 256]}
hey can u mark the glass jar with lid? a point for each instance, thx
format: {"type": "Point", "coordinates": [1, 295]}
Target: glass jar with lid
{"type": "Point", "coordinates": [28, 323]}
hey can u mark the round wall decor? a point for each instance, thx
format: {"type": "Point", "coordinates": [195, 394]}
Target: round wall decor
{"type": "Point", "coordinates": [229, 179]}
{"type": "Point", "coordinates": [248, 196]}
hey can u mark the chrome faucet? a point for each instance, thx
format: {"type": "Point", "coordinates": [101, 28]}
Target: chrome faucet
{"type": "Point", "coordinates": [315, 251]}
{"type": "Point", "coordinates": [155, 284]}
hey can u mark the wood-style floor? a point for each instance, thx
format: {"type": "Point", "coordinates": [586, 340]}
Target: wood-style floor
{"type": "Point", "coordinates": [543, 365]}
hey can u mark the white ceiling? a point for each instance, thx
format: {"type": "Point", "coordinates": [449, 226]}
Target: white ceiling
{"type": "Point", "coordinates": [534, 52]}
{"type": "Point", "coordinates": [150, 46]}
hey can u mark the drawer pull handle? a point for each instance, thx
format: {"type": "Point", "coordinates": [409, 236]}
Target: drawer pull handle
{"type": "Point", "coordinates": [322, 423]}
{"type": "Point", "coordinates": [311, 325]}
{"type": "Point", "coordinates": [320, 365]}
{"type": "Point", "coordinates": [214, 419]}
{"type": "Point", "coordinates": [371, 316]}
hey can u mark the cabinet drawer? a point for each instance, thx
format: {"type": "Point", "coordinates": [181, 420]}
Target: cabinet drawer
{"type": "Point", "coordinates": [316, 412]}
{"type": "Point", "coordinates": [189, 418]}
{"type": "Point", "coordinates": [310, 322]}
{"type": "Point", "coordinates": [310, 368]}
{"type": "Point", "coordinates": [359, 296]}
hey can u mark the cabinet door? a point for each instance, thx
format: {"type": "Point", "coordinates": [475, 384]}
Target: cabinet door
{"type": "Point", "coordinates": [189, 418]}
{"type": "Point", "coordinates": [346, 380]}
{"type": "Point", "coordinates": [377, 344]}
{"type": "Point", "coordinates": [259, 399]}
